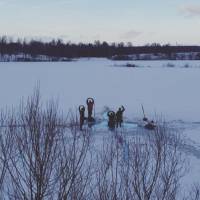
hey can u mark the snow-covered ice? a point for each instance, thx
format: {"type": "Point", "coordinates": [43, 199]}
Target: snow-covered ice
{"type": "Point", "coordinates": [171, 93]}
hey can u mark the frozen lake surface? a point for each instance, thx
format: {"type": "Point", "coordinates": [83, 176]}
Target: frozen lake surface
{"type": "Point", "coordinates": [167, 89]}
{"type": "Point", "coordinates": [170, 92]}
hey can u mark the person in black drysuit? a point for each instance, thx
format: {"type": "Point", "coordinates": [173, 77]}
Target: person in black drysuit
{"type": "Point", "coordinates": [119, 116]}
{"type": "Point", "coordinates": [90, 105]}
{"type": "Point", "coordinates": [111, 119]}
{"type": "Point", "coordinates": [82, 116]}
{"type": "Point", "coordinates": [150, 125]}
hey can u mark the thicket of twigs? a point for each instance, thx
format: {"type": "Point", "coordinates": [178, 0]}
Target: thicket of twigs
{"type": "Point", "coordinates": [43, 158]}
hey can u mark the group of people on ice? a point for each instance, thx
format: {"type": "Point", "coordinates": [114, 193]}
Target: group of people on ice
{"type": "Point", "coordinates": [115, 120]}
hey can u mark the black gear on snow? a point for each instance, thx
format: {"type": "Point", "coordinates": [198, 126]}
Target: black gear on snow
{"type": "Point", "coordinates": [150, 125]}
{"type": "Point", "coordinates": [145, 119]}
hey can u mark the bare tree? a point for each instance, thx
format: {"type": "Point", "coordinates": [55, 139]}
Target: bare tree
{"type": "Point", "coordinates": [74, 165]}
{"type": "Point", "coordinates": [44, 156]}
{"type": "Point", "coordinates": [141, 168]}
{"type": "Point", "coordinates": [106, 183]}
{"type": "Point", "coordinates": [194, 194]}
{"type": "Point", "coordinates": [6, 150]}
{"type": "Point", "coordinates": [32, 169]}
{"type": "Point", "coordinates": [156, 166]}
{"type": "Point", "coordinates": [52, 159]}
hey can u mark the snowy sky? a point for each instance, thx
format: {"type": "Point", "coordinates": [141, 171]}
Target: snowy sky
{"type": "Point", "coordinates": [137, 21]}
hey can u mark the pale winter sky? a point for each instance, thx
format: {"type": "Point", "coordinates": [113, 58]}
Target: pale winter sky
{"type": "Point", "coordinates": [137, 21]}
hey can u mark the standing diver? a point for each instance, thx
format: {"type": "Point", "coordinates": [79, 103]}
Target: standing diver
{"type": "Point", "coordinates": [111, 119]}
{"type": "Point", "coordinates": [90, 104]}
{"type": "Point", "coordinates": [119, 116]}
{"type": "Point", "coordinates": [82, 116]}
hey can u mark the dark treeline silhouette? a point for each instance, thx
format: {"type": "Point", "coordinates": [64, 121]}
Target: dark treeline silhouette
{"type": "Point", "coordinates": [58, 48]}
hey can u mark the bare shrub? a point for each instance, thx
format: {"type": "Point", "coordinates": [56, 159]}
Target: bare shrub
{"type": "Point", "coordinates": [156, 166]}
{"type": "Point", "coordinates": [49, 156]}
{"type": "Point", "coordinates": [36, 147]}
{"type": "Point", "coordinates": [6, 150]}
{"type": "Point", "coordinates": [142, 168]}
{"type": "Point", "coordinates": [106, 183]}
{"type": "Point", "coordinates": [194, 193]}
{"type": "Point", "coordinates": [44, 156]}
{"type": "Point", "coordinates": [74, 165]}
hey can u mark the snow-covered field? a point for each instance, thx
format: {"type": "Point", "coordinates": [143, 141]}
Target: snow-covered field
{"type": "Point", "coordinates": [172, 92]}
{"type": "Point", "coordinates": [167, 89]}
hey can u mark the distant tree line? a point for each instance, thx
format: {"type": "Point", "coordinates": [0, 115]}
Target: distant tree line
{"type": "Point", "coordinates": [58, 48]}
